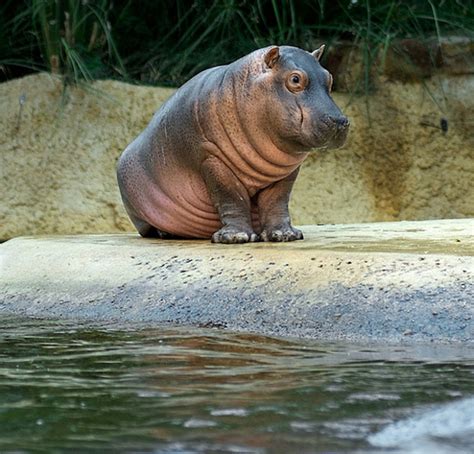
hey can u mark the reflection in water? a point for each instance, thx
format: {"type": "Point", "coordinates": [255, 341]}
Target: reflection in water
{"type": "Point", "coordinates": [63, 386]}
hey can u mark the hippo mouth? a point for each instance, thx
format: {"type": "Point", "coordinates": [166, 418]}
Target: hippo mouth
{"type": "Point", "coordinates": [324, 140]}
{"type": "Point", "coordinates": [329, 136]}
{"type": "Point", "coordinates": [338, 139]}
{"type": "Point", "coordinates": [325, 135]}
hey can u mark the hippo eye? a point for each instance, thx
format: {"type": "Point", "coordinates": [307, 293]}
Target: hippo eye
{"type": "Point", "coordinates": [296, 82]}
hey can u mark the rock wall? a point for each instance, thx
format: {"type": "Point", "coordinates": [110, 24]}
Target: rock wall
{"type": "Point", "coordinates": [57, 161]}
{"type": "Point", "coordinates": [58, 155]}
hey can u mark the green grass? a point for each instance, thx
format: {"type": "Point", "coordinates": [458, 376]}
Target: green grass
{"type": "Point", "coordinates": [166, 42]}
{"type": "Point", "coordinates": [69, 38]}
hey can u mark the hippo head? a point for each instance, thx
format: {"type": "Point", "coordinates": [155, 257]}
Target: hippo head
{"type": "Point", "coordinates": [300, 109]}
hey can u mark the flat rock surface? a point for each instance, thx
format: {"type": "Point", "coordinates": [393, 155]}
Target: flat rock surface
{"type": "Point", "coordinates": [390, 282]}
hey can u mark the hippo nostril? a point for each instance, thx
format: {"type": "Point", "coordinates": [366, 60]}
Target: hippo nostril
{"type": "Point", "coordinates": [346, 123]}
{"type": "Point", "coordinates": [341, 122]}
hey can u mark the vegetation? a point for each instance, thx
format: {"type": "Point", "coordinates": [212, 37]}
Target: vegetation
{"type": "Point", "coordinates": [166, 42]}
{"type": "Point", "coordinates": [69, 37]}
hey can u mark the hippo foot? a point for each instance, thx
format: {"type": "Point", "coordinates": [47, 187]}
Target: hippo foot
{"type": "Point", "coordinates": [232, 235]}
{"type": "Point", "coordinates": [281, 233]}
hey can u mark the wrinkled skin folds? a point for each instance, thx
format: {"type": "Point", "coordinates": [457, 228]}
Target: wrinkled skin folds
{"type": "Point", "coordinates": [219, 158]}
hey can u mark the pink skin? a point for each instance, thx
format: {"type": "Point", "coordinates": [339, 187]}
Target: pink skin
{"type": "Point", "coordinates": [219, 159]}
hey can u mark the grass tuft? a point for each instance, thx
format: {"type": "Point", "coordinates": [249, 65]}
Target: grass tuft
{"type": "Point", "coordinates": [166, 42]}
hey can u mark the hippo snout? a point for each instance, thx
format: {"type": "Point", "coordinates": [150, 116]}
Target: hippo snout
{"type": "Point", "coordinates": [340, 122]}
{"type": "Point", "coordinates": [335, 130]}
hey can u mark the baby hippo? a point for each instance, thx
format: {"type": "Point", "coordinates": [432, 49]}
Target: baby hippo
{"type": "Point", "coordinates": [219, 158]}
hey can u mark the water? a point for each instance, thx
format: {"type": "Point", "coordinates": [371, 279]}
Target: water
{"type": "Point", "coordinates": [71, 388]}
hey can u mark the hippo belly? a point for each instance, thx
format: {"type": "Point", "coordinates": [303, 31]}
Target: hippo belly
{"type": "Point", "coordinates": [174, 202]}
{"type": "Point", "coordinates": [182, 206]}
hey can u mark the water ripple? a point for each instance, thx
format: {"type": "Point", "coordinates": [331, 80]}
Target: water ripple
{"type": "Point", "coordinates": [67, 387]}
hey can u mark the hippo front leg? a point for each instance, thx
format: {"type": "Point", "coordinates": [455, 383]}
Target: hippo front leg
{"type": "Point", "coordinates": [273, 211]}
{"type": "Point", "coordinates": [232, 202]}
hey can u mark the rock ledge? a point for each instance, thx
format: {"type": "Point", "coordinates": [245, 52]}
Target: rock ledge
{"type": "Point", "coordinates": [390, 282]}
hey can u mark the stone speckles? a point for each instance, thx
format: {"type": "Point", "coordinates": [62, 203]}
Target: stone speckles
{"type": "Point", "coordinates": [381, 291]}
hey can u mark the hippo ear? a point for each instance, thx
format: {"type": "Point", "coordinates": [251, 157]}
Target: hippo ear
{"type": "Point", "coordinates": [272, 56]}
{"type": "Point", "coordinates": [318, 53]}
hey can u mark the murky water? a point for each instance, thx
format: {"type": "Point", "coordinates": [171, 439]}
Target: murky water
{"type": "Point", "coordinates": [67, 388]}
